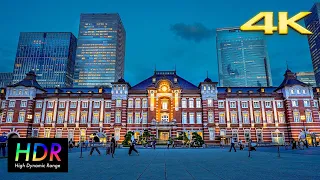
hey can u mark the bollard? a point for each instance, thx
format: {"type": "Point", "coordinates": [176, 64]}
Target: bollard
{"type": "Point", "coordinates": [278, 150]}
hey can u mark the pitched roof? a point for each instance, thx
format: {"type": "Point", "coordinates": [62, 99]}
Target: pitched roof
{"type": "Point", "coordinates": [169, 75]}
{"type": "Point", "coordinates": [246, 89]}
{"type": "Point", "coordinates": [76, 90]}
{"type": "Point", "coordinates": [290, 79]}
{"type": "Point", "coordinates": [29, 81]}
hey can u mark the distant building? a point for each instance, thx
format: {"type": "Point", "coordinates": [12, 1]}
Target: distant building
{"type": "Point", "coordinates": [5, 79]}
{"type": "Point", "coordinates": [312, 23]}
{"type": "Point", "coordinates": [242, 58]}
{"type": "Point", "coordinates": [101, 50]}
{"type": "Point", "coordinates": [50, 55]}
{"type": "Point", "coordinates": [306, 77]}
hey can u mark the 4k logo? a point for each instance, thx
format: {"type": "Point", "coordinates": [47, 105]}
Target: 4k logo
{"type": "Point", "coordinates": [282, 28]}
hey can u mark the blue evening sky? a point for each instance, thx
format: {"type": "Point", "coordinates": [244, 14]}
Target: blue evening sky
{"type": "Point", "coordinates": [158, 32]}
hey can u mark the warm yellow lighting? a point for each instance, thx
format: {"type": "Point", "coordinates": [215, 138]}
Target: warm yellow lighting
{"type": "Point", "coordinates": [164, 88]}
{"type": "Point", "coordinates": [29, 116]}
{"type": "Point", "coordinates": [303, 118]}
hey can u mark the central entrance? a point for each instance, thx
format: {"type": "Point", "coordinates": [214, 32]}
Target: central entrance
{"type": "Point", "coordinates": [164, 135]}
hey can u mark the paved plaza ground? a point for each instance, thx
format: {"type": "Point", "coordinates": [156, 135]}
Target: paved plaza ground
{"type": "Point", "coordinates": [184, 164]}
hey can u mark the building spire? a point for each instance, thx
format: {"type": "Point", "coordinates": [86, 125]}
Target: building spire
{"type": "Point", "coordinates": [287, 64]}
{"type": "Point", "coordinates": [207, 75]}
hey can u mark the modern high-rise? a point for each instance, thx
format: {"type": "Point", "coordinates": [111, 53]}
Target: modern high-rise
{"type": "Point", "coordinates": [242, 58]}
{"type": "Point", "coordinates": [5, 79]}
{"type": "Point", "coordinates": [307, 77]}
{"type": "Point", "coordinates": [51, 55]}
{"type": "Point", "coordinates": [100, 51]}
{"type": "Point", "coordinates": [312, 23]}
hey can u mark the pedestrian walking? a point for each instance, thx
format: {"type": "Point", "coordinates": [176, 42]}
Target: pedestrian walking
{"type": "Point", "coordinates": [232, 145]}
{"type": "Point", "coordinates": [294, 144]}
{"type": "Point", "coordinates": [154, 142]}
{"type": "Point", "coordinates": [173, 144]}
{"type": "Point", "coordinates": [95, 145]}
{"type": "Point", "coordinates": [132, 148]}
{"type": "Point", "coordinates": [240, 145]}
{"type": "Point", "coordinates": [70, 145]}
{"type": "Point", "coordinates": [251, 148]}
{"type": "Point", "coordinates": [168, 143]}
{"type": "Point", "coordinates": [3, 145]}
{"type": "Point", "coordinates": [113, 145]}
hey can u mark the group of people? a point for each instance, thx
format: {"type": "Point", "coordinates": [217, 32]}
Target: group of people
{"type": "Point", "coordinates": [241, 145]}
{"type": "Point", "coordinates": [301, 143]}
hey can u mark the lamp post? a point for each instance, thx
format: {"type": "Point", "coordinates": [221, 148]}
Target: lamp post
{"type": "Point", "coordinates": [303, 118]}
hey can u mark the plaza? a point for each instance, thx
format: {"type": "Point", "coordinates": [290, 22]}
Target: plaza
{"type": "Point", "coordinates": [184, 164]}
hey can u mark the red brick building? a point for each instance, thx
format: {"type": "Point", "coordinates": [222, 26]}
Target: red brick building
{"type": "Point", "coordinates": [165, 104]}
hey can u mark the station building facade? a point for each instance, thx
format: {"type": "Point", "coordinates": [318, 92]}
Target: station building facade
{"type": "Point", "coordinates": [165, 104]}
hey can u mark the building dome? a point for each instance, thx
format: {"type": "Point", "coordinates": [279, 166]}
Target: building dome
{"type": "Point", "coordinates": [121, 80]}
{"type": "Point", "coordinates": [207, 80]}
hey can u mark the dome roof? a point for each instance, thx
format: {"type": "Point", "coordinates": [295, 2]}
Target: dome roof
{"type": "Point", "coordinates": [121, 80]}
{"type": "Point", "coordinates": [207, 80]}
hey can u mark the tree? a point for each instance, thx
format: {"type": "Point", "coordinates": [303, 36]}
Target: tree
{"type": "Point", "coordinates": [127, 138]}
{"type": "Point", "coordinates": [197, 139]}
{"type": "Point", "coordinates": [183, 137]}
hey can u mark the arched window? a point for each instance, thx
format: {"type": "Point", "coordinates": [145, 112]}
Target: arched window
{"type": "Point", "coordinates": [165, 118]}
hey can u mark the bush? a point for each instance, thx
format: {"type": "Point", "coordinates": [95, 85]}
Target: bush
{"type": "Point", "coordinates": [197, 139]}
{"type": "Point", "coordinates": [127, 138]}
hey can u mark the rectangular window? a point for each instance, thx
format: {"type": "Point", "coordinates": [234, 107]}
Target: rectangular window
{"type": "Point", "coordinates": [221, 118]}
{"type": "Point", "coordinates": [198, 103]}
{"type": "Point", "coordinates": [12, 103]}
{"type": "Point", "coordinates": [37, 117]}
{"type": "Point", "coordinates": [232, 104]}
{"type": "Point", "coordinates": [130, 118]}
{"type": "Point", "coordinates": [130, 103]}
{"type": "Point", "coordinates": [118, 103]}
{"type": "Point", "coordinates": [295, 103]}
{"type": "Point", "coordinates": [144, 103]}
{"type": "Point", "coordinates": [210, 117]}
{"type": "Point", "coordinates": [184, 103]}
{"type": "Point", "coordinates": [259, 135]}
{"type": "Point", "coordinates": [95, 118]}
{"type": "Point", "coordinates": [47, 133]}
{"type": "Point", "coordinates": [108, 104]}
{"type": "Point", "coordinates": [245, 117]}
{"type": "Point", "coordinates": [60, 117]}
{"type": "Point", "coordinates": [107, 119]}
{"type": "Point", "coordinates": [49, 117]}
{"type": "Point", "coordinates": [257, 117]}
{"type": "Point", "coordinates": [84, 104]}
{"type": "Point", "coordinates": [50, 105]}
{"type": "Point", "coordinates": [296, 116]}
{"type": "Point", "coordinates": [279, 104]}
{"type": "Point", "coordinates": [23, 104]}
{"type": "Point", "coordinates": [145, 118]}
{"type": "Point", "coordinates": [210, 103]}
{"type": "Point", "coordinates": [211, 133]}
{"type": "Point", "coordinates": [199, 118]}
{"type": "Point", "coordinates": [269, 117]}
{"type": "Point", "coordinates": [184, 118]}
{"type": "Point", "coordinates": [315, 104]}
{"type": "Point", "coordinates": [35, 132]}
{"type": "Point", "coordinates": [191, 118]}
{"type": "Point", "coordinates": [3, 104]}
{"type": "Point", "coordinates": [137, 118]}
{"type": "Point", "coordinates": [73, 104]}
{"type": "Point", "coordinates": [223, 132]}
{"type": "Point", "coordinates": [83, 135]}
{"type": "Point", "coordinates": [118, 117]}
{"type": "Point", "coordinates": [268, 104]}
{"type": "Point", "coordinates": [39, 105]}
{"type": "Point", "coordinates": [96, 104]}
{"type": "Point", "coordinates": [70, 134]}
{"type": "Point", "coordinates": [247, 136]}
{"type": "Point", "coordinates": [9, 117]}
{"type": "Point", "coordinates": [234, 118]}
{"type": "Point", "coordinates": [220, 104]}
{"type": "Point", "coordinates": [235, 135]}
{"type": "Point", "coordinates": [83, 118]}
{"type": "Point", "coordinates": [61, 104]}
{"type": "Point", "coordinates": [308, 116]}
{"type": "Point", "coordinates": [59, 133]}
{"type": "Point", "coordinates": [244, 104]}
{"type": "Point", "coordinates": [72, 117]}
{"type": "Point", "coordinates": [281, 117]}
{"type": "Point", "coordinates": [138, 103]}
{"type": "Point", "coordinates": [256, 104]}
{"type": "Point", "coordinates": [22, 116]}
{"type": "Point", "coordinates": [191, 103]}
{"type": "Point", "coordinates": [306, 103]}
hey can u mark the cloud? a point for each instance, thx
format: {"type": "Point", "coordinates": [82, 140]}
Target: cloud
{"type": "Point", "coordinates": [196, 32]}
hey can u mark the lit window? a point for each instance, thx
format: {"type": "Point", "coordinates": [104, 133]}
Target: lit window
{"type": "Point", "coordinates": [96, 104]}
{"type": "Point", "coordinates": [12, 103]}
{"type": "Point", "coordinates": [191, 103]}
{"type": "Point", "coordinates": [145, 118]}
{"type": "Point", "coordinates": [210, 117]}
{"type": "Point", "coordinates": [83, 117]}
{"type": "Point", "coordinates": [308, 116]}
{"type": "Point", "coordinates": [269, 117]}
{"type": "Point", "coordinates": [245, 118]}
{"type": "Point", "coordinates": [137, 118]}
{"type": "Point", "coordinates": [9, 117]}
{"type": "Point", "coordinates": [130, 103]}
{"type": "Point", "coordinates": [23, 104]}
{"type": "Point", "coordinates": [221, 118]}
{"type": "Point", "coordinates": [257, 117]}
{"type": "Point", "coordinates": [210, 103]}
{"type": "Point", "coordinates": [256, 104]}
{"type": "Point", "coordinates": [59, 133]}
{"type": "Point", "coordinates": [119, 103]}
{"type": "Point", "coordinates": [130, 118]}
{"type": "Point", "coordinates": [39, 105]}
{"type": "Point", "coordinates": [184, 103]}
{"type": "Point", "coordinates": [61, 104]}
{"type": "Point", "coordinates": [107, 119]}
{"type": "Point", "coordinates": [234, 118]}
{"type": "Point", "coordinates": [279, 104]}
{"type": "Point", "coordinates": [303, 91]}
{"type": "Point", "coordinates": [306, 103]}
{"type": "Point", "coordinates": [268, 104]}
{"type": "Point", "coordinates": [60, 117]}
{"type": "Point", "coordinates": [281, 117]}
{"type": "Point", "coordinates": [118, 117]}
{"type": "Point", "coordinates": [72, 117]}
{"type": "Point", "coordinates": [232, 104]}
{"type": "Point", "coordinates": [296, 116]}
{"type": "Point", "coordinates": [108, 104]}
{"type": "Point", "coordinates": [164, 105]}
{"type": "Point", "coordinates": [37, 117]}
{"type": "Point", "coordinates": [220, 104]}
{"type": "Point", "coordinates": [95, 119]}
{"type": "Point", "coordinates": [298, 91]}
{"type": "Point", "coordinates": [21, 117]}
{"type": "Point", "coordinates": [292, 91]}
{"type": "Point", "coordinates": [259, 135]}
{"type": "Point", "coordinates": [247, 135]}
{"type": "Point", "coordinates": [50, 105]}
{"type": "Point", "coordinates": [295, 103]}
{"type": "Point", "coordinates": [199, 118]}
{"type": "Point", "coordinates": [315, 104]}
{"type": "Point", "coordinates": [144, 103]}
{"type": "Point", "coordinates": [73, 105]}
{"type": "Point", "coordinates": [137, 103]}
{"type": "Point", "coordinates": [84, 104]}
{"type": "Point", "coordinates": [244, 104]}
{"type": "Point", "coordinates": [184, 118]}
{"type": "Point", "coordinates": [49, 117]}
{"type": "Point", "coordinates": [198, 103]}
{"type": "Point", "coordinates": [191, 118]}
{"type": "Point", "coordinates": [47, 133]}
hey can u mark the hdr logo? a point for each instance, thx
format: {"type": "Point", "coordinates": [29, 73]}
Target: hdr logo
{"type": "Point", "coordinates": [283, 24]}
{"type": "Point", "coordinates": [38, 155]}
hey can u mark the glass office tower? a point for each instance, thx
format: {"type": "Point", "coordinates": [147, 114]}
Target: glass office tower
{"type": "Point", "coordinates": [5, 79]}
{"type": "Point", "coordinates": [312, 23]}
{"type": "Point", "coordinates": [100, 51]}
{"type": "Point", "coordinates": [307, 77]}
{"type": "Point", "coordinates": [242, 58]}
{"type": "Point", "coordinates": [51, 55]}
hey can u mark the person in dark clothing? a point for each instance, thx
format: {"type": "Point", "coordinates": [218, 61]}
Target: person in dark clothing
{"type": "Point", "coordinates": [251, 148]}
{"type": "Point", "coordinates": [70, 145]}
{"type": "Point", "coordinates": [154, 142]}
{"type": "Point", "coordinates": [232, 145]}
{"type": "Point", "coordinates": [294, 144]}
{"type": "Point", "coordinates": [3, 147]}
{"type": "Point", "coordinates": [94, 147]}
{"type": "Point", "coordinates": [113, 145]}
{"type": "Point", "coordinates": [132, 148]}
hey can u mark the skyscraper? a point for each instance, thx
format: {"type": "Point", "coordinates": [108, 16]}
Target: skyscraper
{"type": "Point", "coordinates": [5, 79]}
{"type": "Point", "coordinates": [312, 23]}
{"type": "Point", "coordinates": [306, 77]}
{"type": "Point", "coordinates": [242, 58]}
{"type": "Point", "coordinates": [50, 55]}
{"type": "Point", "coordinates": [100, 51]}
